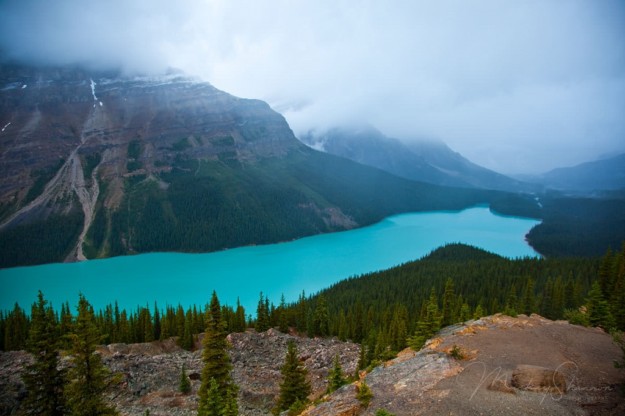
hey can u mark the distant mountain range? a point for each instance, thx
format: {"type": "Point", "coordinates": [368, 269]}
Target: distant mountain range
{"type": "Point", "coordinates": [422, 160]}
{"type": "Point", "coordinates": [601, 175]}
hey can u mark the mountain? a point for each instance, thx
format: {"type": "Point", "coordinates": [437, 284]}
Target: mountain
{"type": "Point", "coordinates": [424, 160]}
{"type": "Point", "coordinates": [600, 175]}
{"type": "Point", "coordinates": [98, 164]}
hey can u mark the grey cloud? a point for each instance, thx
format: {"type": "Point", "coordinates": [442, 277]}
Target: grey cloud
{"type": "Point", "coordinates": [516, 86]}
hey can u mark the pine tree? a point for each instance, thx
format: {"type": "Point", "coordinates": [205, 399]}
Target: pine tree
{"type": "Point", "coordinates": [283, 323]}
{"type": "Point", "coordinates": [157, 323]}
{"type": "Point", "coordinates": [479, 312]}
{"type": "Point", "coordinates": [43, 380]}
{"type": "Point", "coordinates": [87, 378]}
{"type": "Point", "coordinates": [364, 394]}
{"type": "Point", "coordinates": [335, 377]}
{"type": "Point", "coordinates": [511, 303]}
{"type": "Point", "coordinates": [448, 303]}
{"type": "Point", "coordinates": [15, 329]}
{"type": "Point", "coordinates": [262, 315]}
{"type": "Point", "coordinates": [294, 386]}
{"type": "Point", "coordinates": [239, 318]}
{"type": "Point", "coordinates": [321, 319]}
{"type": "Point", "coordinates": [598, 310]}
{"type": "Point", "coordinates": [185, 385]}
{"type": "Point", "coordinates": [398, 331]}
{"type": "Point", "coordinates": [218, 393]}
{"type": "Point", "coordinates": [186, 340]}
{"type": "Point", "coordinates": [428, 325]}
{"type": "Point", "coordinates": [528, 298]}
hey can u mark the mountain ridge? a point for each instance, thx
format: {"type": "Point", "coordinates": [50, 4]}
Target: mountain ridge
{"type": "Point", "coordinates": [606, 174]}
{"type": "Point", "coordinates": [429, 161]}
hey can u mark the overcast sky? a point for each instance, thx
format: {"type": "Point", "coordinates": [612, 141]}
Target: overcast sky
{"type": "Point", "coordinates": [516, 86]}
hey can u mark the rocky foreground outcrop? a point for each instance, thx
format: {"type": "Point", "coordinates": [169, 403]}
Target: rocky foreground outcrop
{"type": "Point", "coordinates": [496, 365]}
{"type": "Point", "coordinates": [150, 372]}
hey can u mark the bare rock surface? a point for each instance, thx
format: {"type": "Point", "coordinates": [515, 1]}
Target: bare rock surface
{"type": "Point", "coordinates": [540, 379]}
{"type": "Point", "coordinates": [150, 372]}
{"type": "Point", "coordinates": [562, 369]}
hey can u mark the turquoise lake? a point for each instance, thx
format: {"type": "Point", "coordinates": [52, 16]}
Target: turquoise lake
{"type": "Point", "coordinates": [308, 264]}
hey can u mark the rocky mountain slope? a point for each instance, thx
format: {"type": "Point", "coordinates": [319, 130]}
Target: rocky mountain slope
{"type": "Point", "coordinates": [423, 160]}
{"type": "Point", "coordinates": [98, 164]}
{"type": "Point", "coordinates": [502, 366]}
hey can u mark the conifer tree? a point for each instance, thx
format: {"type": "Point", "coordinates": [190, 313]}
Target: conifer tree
{"type": "Point", "coordinates": [479, 312]}
{"type": "Point", "coordinates": [239, 318]}
{"type": "Point", "coordinates": [43, 380]}
{"type": "Point", "coordinates": [262, 315]}
{"type": "Point", "coordinates": [448, 317]}
{"type": "Point", "coordinates": [157, 323]}
{"type": "Point", "coordinates": [321, 319]}
{"type": "Point", "coordinates": [283, 323]}
{"type": "Point", "coordinates": [335, 377]}
{"type": "Point", "coordinates": [364, 394]}
{"type": "Point", "coordinates": [185, 385]}
{"type": "Point", "coordinates": [528, 298]}
{"type": "Point", "coordinates": [186, 340]}
{"type": "Point", "coordinates": [15, 329]}
{"type": "Point", "coordinates": [218, 393]}
{"type": "Point", "coordinates": [294, 386]}
{"type": "Point", "coordinates": [428, 325]}
{"type": "Point", "coordinates": [87, 378]}
{"type": "Point", "coordinates": [598, 310]}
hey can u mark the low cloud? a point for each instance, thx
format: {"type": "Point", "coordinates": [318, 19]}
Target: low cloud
{"type": "Point", "coordinates": [515, 86]}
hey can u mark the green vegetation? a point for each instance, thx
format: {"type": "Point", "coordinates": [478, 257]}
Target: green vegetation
{"type": "Point", "coordinates": [575, 226]}
{"type": "Point", "coordinates": [295, 388]}
{"type": "Point", "coordinates": [364, 394]}
{"type": "Point", "coordinates": [40, 242]}
{"type": "Point", "coordinates": [181, 145]}
{"type": "Point", "coordinates": [336, 379]}
{"type": "Point", "coordinates": [43, 379]}
{"type": "Point", "coordinates": [134, 151]}
{"type": "Point", "coordinates": [87, 376]}
{"type": "Point", "coordinates": [184, 385]}
{"type": "Point", "coordinates": [41, 177]}
{"type": "Point", "coordinates": [91, 161]}
{"type": "Point", "coordinates": [218, 393]}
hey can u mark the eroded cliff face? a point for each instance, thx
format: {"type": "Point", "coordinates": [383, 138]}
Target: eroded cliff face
{"type": "Point", "coordinates": [49, 115]}
{"type": "Point", "coordinates": [71, 138]}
